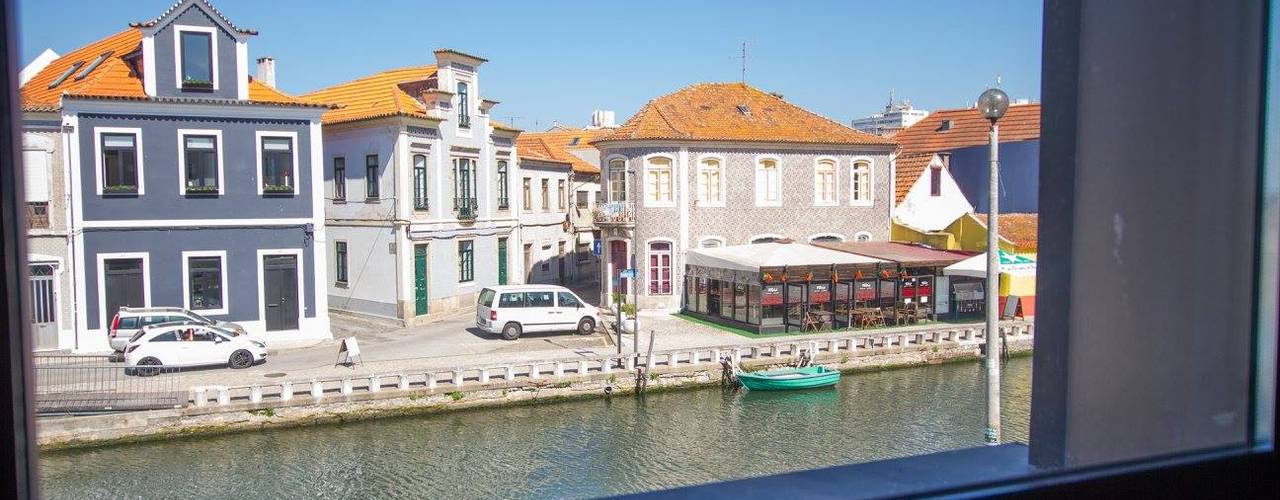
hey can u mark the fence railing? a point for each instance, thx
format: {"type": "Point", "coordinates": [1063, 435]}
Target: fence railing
{"type": "Point", "coordinates": [84, 383]}
{"type": "Point", "coordinates": [455, 379]}
{"type": "Point", "coordinates": [614, 212]}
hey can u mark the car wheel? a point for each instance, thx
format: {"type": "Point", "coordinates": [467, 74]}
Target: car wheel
{"type": "Point", "coordinates": [153, 367]}
{"type": "Point", "coordinates": [586, 326]}
{"type": "Point", "coordinates": [511, 331]}
{"type": "Point", "coordinates": [241, 359]}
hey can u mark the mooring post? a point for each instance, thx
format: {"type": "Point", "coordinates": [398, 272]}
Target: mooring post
{"type": "Point", "coordinates": [317, 389]}
{"type": "Point", "coordinates": [606, 366]}
{"type": "Point", "coordinates": [375, 383]}
{"type": "Point", "coordinates": [346, 387]}
{"type": "Point", "coordinates": [484, 375]}
{"type": "Point", "coordinates": [255, 394]}
{"type": "Point", "coordinates": [199, 397]}
{"type": "Point", "coordinates": [457, 378]}
{"type": "Point", "coordinates": [431, 381]}
{"type": "Point", "coordinates": [559, 369]}
{"type": "Point", "coordinates": [404, 381]}
{"type": "Point", "coordinates": [508, 373]}
{"type": "Point", "coordinates": [224, 395]}
{"type": "Point", "coordinates": [286, 391]}
{"type": "Point", "coordinates": [533, 371]}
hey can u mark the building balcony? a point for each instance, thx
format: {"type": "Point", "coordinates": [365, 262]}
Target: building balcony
{"type": "Point", "coordinates": [466, 208]}
{"type": "Point", "coordinates": [615, 213]}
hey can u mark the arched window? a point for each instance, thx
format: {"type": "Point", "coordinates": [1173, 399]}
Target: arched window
{"type": "Point", "coordinates": [861, 188]}
{"type": "Point", "coordinates": [710, 182]}
{"type": "Point", "coordinates": [711, 242]}
{"type": "Point", "coordinates": [862, 236]}
{"type": "Point", "coordinates": [503, 185]}
{"type": "Point", "coordinates": [824, 183]}
{"type": "Point", "coordinates": [764, 239]}
{"type": "Point", "coordinates": [658, 182]}
{"type": "Point", "coordinates": [419, 182]}
{"type": "Point", "coordinates": [826, 238]}
{"type": "Point", "coordinates": [768, 183]}
{"type": "Point", "coordinates": [617, 180]}
{"type": "Point", "coordinates": [660, 268]}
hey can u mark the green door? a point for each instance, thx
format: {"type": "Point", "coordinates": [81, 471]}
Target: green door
{"type": "Point", "coordinates": [420, 279]}
{"type": "Point", "coordinates": [502, 261]}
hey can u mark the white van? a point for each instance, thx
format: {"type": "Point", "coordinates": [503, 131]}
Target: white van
{"type": "Point", "coordinates": [511, 310]}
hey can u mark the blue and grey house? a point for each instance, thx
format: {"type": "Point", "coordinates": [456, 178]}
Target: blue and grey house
{"type": "Point", "coordinates": [190, 183]}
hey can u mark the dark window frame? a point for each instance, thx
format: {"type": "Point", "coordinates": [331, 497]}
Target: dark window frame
{"type": "Point", "coordinates": [213, 155]}
{"type": "Point", "coordinates": [464, 105]}
{"type": "Point", "coordinates": [504, 201]}
{"type": "Point", "coordinates": [935, 181]}
{"type": "Point", "coordinates": [340, 262]}
{"type": "Point", "coordinates": [466, 261]}
{"type": "Point", "coordinates": [339, 179]}
{"type": "Point", "coordinates": [186, 83]}
{"type": "Point", "coordinates": [267, 156]}
{"type": "Point", "coordinates": [371, 177]}
{"type": "Point", "coordinates": [421, 198]}
{"type": "Point", "coordinates": [117, 184]}
{"type": "Point", "coordinates": [206, 274]}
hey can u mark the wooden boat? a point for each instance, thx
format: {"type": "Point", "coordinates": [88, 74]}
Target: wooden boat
{"type": "Point", "coordinates": [790, 378]}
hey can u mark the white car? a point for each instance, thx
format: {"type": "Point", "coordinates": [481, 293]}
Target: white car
{"type": "Point", "coordinates": [511, 310]}
{"type": "Point", "coordinates": [185, 344]}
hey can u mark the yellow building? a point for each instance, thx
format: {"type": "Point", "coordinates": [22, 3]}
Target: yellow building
{"type": "Point", "coordinates": [969, 233]}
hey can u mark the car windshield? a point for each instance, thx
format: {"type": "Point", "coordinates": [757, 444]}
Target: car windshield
{"type": "Point", "coordinates": [200, 318]}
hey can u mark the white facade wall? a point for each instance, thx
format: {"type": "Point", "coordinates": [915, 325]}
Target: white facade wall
{"type": "Point", "coordinates": [921, 210]}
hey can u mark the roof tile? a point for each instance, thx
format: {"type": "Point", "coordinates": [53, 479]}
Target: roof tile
{"type": "Point", "coordinates": [907, 169]}
{"type": "Point", "coordinates": [558, 145]}
{"type": "Point", "coordinates": [375, 96]}
{"type": "Point", "coordinates": [1020, 229]}
{"type": "Point", "coordinates": [968, 128]}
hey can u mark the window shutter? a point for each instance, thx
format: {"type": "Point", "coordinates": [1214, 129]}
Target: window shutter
{"type": "Point", "coordinates": [36, 170]}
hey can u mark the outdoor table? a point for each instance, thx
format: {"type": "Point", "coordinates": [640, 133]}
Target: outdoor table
{"type": "Point", "coordinates": [824, 319]}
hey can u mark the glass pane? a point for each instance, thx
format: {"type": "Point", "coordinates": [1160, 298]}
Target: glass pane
{"type": "Point", "coordinates": [277, 144]}
{"type": "Point", "coordinates": [200, 142]}
{"type": "Point", "coordinates": [197, 57]}
{"type": "Point", "coordinates": [118, 141]}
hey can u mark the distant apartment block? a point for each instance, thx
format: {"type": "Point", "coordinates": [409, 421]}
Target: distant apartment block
{"type": "Point", "coordinates": [896, 116]}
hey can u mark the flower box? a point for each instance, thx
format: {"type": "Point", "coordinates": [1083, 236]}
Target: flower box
{"type": "Point", "coordinates": [277, 189]}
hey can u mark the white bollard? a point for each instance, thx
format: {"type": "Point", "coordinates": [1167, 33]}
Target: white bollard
{"type": "Point", "coordinates": [716, 355]}
{"type": "Point", "coordinates": [694, 358]}
{"type": "Point", "coordinates": [833, 345]}
{"type": "Point", "coordinates": [582, 367]}
{"type": "Point", "coordinates": [484, 375]}
{"type": "Point", "coordinates": [431, 381]}
{"type": "Point", "coordinates": [404, 382]}
{"type": "Point", "coordinates": [286, 391]}
{"type": "Point", "coordinates": [255, 394]}
{"type": "Point", "coordinates": [533, 371]}
{"type": "Point", "coordinates": [457, 378]}
{"type": "Point", "coordinates": [649, 363]}
{"type": "Point", "coordinates": [509, 373]}
{"type": "Point", "coordinates": [199, 397]}
{"type": "Point", "coordinates": [606, 365]}
{"type": "Point", "coordinates": [317, 389]}
{"type": "Point", "coordinates": [346, 387]}
{"type": "Point", "coordinates": [737, 355]}
{"type": "Point", "coordinates": [224, 395]}
{"type": "Point", "coordinates": [813, 349]}
{"type": "Point", "coordinates": [631, 363]}
{"type": "Point", "coordinates": [375, 383]}
{"type": "Point", "coordinates": [559, 369]}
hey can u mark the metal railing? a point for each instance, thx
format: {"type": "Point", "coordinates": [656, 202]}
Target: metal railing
{"type": "Point", "coordinates": [614, 212]}
{"type": "Point", "coordinates": [466, 208]}
{"type": "Point", "coordinates": [88, 383]}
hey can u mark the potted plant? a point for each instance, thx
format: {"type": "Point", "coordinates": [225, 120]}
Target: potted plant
{"type": "Point", "coordinates": [202, 189]}
{"type": "Point", "coordinates": [197, 84]}
{"type": "Point", "coordinates": [277, 189]}
{"type": "Point", "coordinates": [120, 189]}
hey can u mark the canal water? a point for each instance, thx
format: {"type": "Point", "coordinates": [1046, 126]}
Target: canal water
{"type": "Point", "coordinates": [574, 449]}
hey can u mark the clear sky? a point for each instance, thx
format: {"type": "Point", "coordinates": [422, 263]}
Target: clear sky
{"type": "Point", "coordinates": [555, 60]}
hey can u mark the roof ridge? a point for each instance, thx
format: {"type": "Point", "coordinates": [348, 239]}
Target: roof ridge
{"type": "Point", "coordinates": [207, 5]}
{"type": "Point", "coordinates": [668, 122]}
{"type": "Point", "coordinates": [819, 116]}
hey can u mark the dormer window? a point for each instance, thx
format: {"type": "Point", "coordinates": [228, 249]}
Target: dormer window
{"type": "Point", "coordinates": [196, 64]}
{"type": "Point", "coordinates": [464, 106]}
{"type": "Point", "coordinates": [945, 125]}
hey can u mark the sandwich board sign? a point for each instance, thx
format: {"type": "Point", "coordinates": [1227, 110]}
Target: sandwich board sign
{"type": "Point", "coordinates": [348, 352]}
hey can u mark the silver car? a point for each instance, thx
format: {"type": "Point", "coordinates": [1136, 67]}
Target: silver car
{"type": "Point", "coordinates": [130, 320]}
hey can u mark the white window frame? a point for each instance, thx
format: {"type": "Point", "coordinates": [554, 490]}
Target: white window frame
{"type": "Point", "coordinates": [97, 154]}
{"type": "Point", "coordinates": [257, 157]}
{"type": "Point", "coordinates": [703, 198]}
{"type": "Point", "coordinates": [671, 181]}
{"type": "Point", "coordinates": [262, 287]}
{"type": "Point", "coordinates": [102, 259]}
{"type": "Point", "coordinates": [718, 239]}
{"type": "Point", "coordinates": [671, 266]}
{"type": "Point", "coordinates": [871, 181]}
{"type": "Point", "coordinates": [186, 280]}
{"type": "Point", "coordinates": [760, 188]}
{"type": "Point", "coordinates": [177, 51]}
{"type": "Point", "coordinates": [182, 157]}
{"type": "Point", "coordinates": [818, 201]}
{"type": "Point", "coordinates": [857, 236]}
{"type": "Point", "coordinates": [608, 179]}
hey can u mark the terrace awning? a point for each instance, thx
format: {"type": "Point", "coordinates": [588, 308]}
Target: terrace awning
{"type": "Point", "coordinates": [976, 266]}
{"type": "Point", "coordinates": [752, 258]}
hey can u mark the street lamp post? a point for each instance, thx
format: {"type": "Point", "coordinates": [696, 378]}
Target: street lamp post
{"type": "Point", "coordinates": [992, 104]}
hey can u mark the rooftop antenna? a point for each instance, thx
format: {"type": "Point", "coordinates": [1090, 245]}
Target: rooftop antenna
{"type": "Point", "coordinates": [889, 107]}
{"type": "Point", "coordinates": [744, 61]}
{"type": "Point", "coordinates": [512, 120]}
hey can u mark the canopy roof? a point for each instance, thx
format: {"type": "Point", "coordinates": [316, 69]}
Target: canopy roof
{"type": "Point", "coordinates": [753, 257]}
{"type": "Point", "coordinates": [976, 266]}
{"type": "Point", "coordinates": [902, 253]}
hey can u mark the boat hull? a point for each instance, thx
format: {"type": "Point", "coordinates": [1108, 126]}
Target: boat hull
{"type": "Point", "coordinates": [790, 379]}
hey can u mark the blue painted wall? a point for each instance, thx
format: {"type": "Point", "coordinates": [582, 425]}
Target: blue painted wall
{"type": "Point", "coordinates": [1019, 176]}
{"type": "Point", "coordinates": [162, 171]}
{"type": "Point", "coordinates": [166, 246]}
{"type": "Point", "coordinates": [166, 81]}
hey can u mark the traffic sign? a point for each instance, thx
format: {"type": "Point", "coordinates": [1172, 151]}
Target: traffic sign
{"type": "Point", "coordinates": [597, 248]}
{"type": "Point", "coordinates": [627, 273]}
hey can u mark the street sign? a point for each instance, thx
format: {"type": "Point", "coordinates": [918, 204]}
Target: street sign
{"type": "Point", "coordinates": [596, 247]}
{"type": "Point", "coordinates": [627, 273]}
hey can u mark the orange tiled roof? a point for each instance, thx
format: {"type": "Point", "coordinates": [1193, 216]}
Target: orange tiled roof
{"type": "Point", "coordinates": [710, 111]}
{"type": "Point", "coordinates": [907, 169]}
{"type": "Point", "coordinates": [558, 145]}
{"type": "Point", "coordinates": [375, 96]}
{"type": "Point", "coordinates": [1020, 229]}
{"type": "Point", "coordinates": [497, 125]}
{"type": "Point", "coordinates": [113, 78]}
{"type": "Point", "coordinates": [968, 128]}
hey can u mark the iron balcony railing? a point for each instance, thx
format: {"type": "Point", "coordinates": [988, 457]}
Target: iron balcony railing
{"type": "Point", "coordinates": [466, 208]}
{"type": "Point", "coordinates": [614, 213]}
{"type": "Point", "coordinates": [504, 203]}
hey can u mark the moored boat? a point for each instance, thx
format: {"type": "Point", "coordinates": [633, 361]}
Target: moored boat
{"type": "Point", "coordinates": [790, 378]}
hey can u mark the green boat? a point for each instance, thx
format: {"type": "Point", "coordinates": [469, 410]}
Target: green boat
{"type": "Point", "coordinates": [790, 378]}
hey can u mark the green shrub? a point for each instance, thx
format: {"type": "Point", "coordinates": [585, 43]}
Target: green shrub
{"type": "Point", "coordinates": [456, 395]}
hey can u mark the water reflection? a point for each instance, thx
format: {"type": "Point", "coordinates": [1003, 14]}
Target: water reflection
{"type": "Point", "coordinates": [575, 449]}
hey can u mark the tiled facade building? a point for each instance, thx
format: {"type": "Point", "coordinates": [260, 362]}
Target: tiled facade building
{"type": "Point", "coordinates": [729, 164]}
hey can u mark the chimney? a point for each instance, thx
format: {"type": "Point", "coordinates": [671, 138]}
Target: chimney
{"type": "Point", "coordinates": [602, 119]}
{"type": "Point", "coordinates": [777, 94]}
{"type": "Point", "coordinates": [946, 160]}
{"type": "Point", "coordinates": [267, 71]}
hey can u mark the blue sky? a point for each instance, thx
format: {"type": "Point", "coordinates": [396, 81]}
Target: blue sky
{"type": "Point", "coordinates": [558, 60]}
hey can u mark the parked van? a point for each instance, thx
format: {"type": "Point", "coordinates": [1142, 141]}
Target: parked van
{"type": "Point", "coordinates": [511, 310]}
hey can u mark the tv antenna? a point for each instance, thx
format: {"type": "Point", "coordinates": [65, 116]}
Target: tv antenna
{"type": "Point", "coordinates": [744, 61]}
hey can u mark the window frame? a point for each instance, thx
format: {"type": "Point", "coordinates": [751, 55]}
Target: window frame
{"type": "Point", "coordinates": [260, 176]}
{"type": "Point", "coordinates": [219, 165]}
{"type": "Point", "coordinates": [419, 180]}
{"type": "Point", "coordinates": [527, 200]}
{"type": "Point", "coordinates": [464, 105]}
{"type": "Point", "coordinates": [935, 181]}
{"type": "Point", "coordinates": [870, 181]}
{"type": "Point", "coordinates": [504, 188]}
{"type": "Point", "coordinates": [704, 198]}
{"type": "Point", "coordinates": [341, 263]}
{"type": "Point", "coordinates": [826, 165]}
{"type": "Point", "coordinates": [221, 255]}
{"type": "Point", "coordinates": [466, 261]}
{"type": "Point", "coordinates": [545, 193]}
{"type": "Point", "coordinates": [138, 160]}
{"type": "Point", "coordinates": [761, 181]}
{"type": "Point", "coordinates": [372, 183]}
{"type": "Point", "coordinates": [339, 181]}
{"type": "Point", "coordinates": [616, 179]}
{"type": "Point", "coordinates": [653, 271]}
{"type": "Point", "coordinates": [561, 195]}
{"type": "Point", "coordinates": [212, 32]}
{"type": "Point", "coordinates": [652, 167]}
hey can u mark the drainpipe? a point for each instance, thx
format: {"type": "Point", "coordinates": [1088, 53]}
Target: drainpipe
{"type": "Point", "coordinates": [69, 220]}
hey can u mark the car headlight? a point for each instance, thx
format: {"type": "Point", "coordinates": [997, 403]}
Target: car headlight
{"type": "Point", "coordinates": [259, 344]}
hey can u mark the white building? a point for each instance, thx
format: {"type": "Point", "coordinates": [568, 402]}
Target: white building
{"type": "Point", "coordinates": [896, 116]}
{"type": "Point", "coordinates": [927, 197]}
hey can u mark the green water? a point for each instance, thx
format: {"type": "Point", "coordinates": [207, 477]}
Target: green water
{"type": "Point", "coordinates": [574, 449]}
